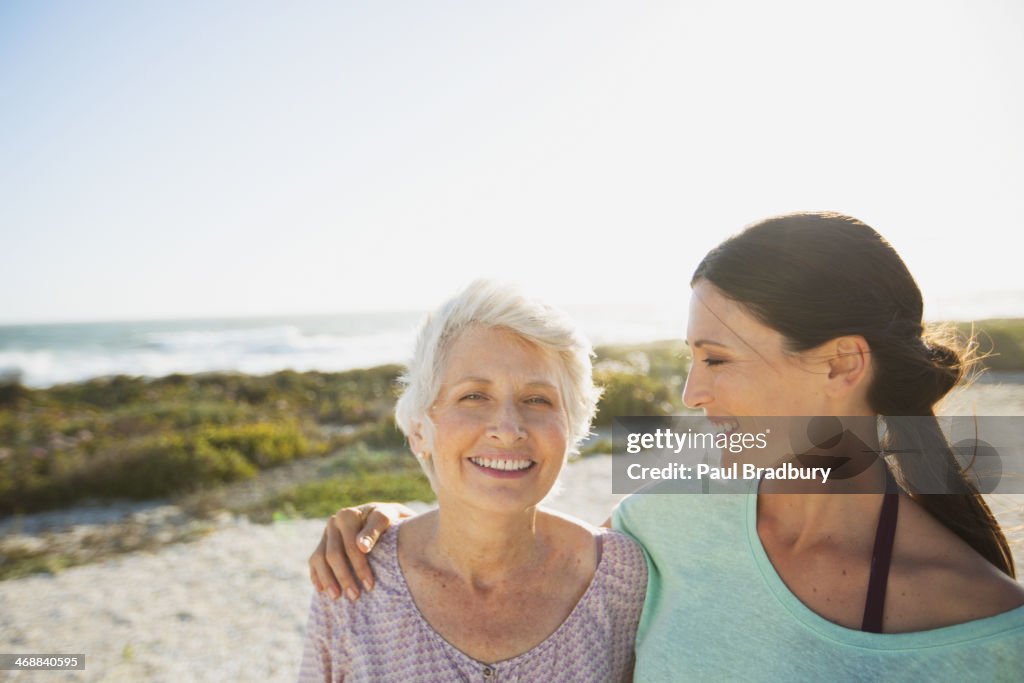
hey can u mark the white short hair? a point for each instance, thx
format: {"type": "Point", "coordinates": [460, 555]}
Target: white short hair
{"type": "Point", "coordinates": [499, 305]}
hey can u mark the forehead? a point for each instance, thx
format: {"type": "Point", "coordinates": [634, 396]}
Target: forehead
{"type": "Point", "coordinates": [488, 352]}
{"type": "Point", "coordinates": [716, 318]}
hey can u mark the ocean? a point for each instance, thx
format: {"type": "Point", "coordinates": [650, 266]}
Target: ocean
{"type": "Point", "coordinates": [43, 355]}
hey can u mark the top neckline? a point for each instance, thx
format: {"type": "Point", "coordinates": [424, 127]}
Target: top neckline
{"type": "Point", "coordinates": [945, 635]}
{"type": "Point", "coordinates": [534, 652]}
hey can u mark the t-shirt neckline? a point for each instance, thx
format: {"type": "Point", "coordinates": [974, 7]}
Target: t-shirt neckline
{"type": "Point", "coordinates": [945, 635]}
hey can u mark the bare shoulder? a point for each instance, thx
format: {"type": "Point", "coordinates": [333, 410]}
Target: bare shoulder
{"type": "Point", "coordinates": [572, 539]}
{"type": "Point", "coordinates": [414, 534]}
{"type": "Point", "coordinates": [566, 529]}
{"type": "Point", "coordinates": [938, 579]}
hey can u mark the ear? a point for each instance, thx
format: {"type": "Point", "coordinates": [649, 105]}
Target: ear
{"type": "Point", "coordinates": [849, 365]}
{"type": "Point", "coordinates": [417, 443]}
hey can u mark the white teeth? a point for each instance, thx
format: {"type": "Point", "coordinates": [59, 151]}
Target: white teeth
{"type": "Point", "coordinates": [723, 427]}
{"type": "Point", "coordinates": [508, 465]}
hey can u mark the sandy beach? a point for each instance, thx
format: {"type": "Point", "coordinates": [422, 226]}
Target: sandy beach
{"type": "Point", "coordinates": [232, 605]}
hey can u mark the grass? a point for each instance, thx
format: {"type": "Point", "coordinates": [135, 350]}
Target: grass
{"type": "Point", "coordinates": [321, 499]}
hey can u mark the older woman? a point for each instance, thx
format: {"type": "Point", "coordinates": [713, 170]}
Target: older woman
{"type": "Point", "coordinates": [489, 586]}
{"type": "Point", "coordinates": [817, 315]}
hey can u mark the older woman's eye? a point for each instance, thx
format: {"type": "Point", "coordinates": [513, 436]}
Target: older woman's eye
{"type": "Point", "coordinates": [472, 397]}
{"type": "Point", "coordinates": [539, 400]}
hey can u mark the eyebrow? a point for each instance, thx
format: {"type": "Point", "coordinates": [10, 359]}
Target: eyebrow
{"type": "Point", "coordinates": [706, 342]}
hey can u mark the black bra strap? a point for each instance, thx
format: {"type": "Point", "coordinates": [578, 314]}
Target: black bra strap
{"type": "Point", "coordinates": [881, 557]}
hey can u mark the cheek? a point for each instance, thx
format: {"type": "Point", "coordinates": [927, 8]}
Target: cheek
{"type": "Point", "coordinates": [453, 428]}
{"type": "Point", "coordinates": [747, 393]}
{"type": "Point", "coordinates": [552, 428]}
{"type": "Point", "coordinates": [726, 384]}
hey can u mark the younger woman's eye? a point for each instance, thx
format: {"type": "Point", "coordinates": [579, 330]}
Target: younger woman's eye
{"type": "Point", "coordinates": [711, 362]}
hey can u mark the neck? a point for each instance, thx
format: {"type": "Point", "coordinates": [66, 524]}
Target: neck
{"type": "Point", "coordinates": [844, 510]}
{"type": "Point", "coordinates": [484, 547]}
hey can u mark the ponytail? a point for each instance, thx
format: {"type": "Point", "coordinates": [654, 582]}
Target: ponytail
{"type": "Point", "coordinates": [916, 376]}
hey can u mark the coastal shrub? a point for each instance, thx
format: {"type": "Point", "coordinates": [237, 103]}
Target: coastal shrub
{"type": "Point", "coordinates": [596, 447]}
{"type": "Point", "coordinates": [322, 498]}
{"type": "Point", "coordinates": [382, 434]}
{"type": "Point", "coordinates": [164, 465]}
{"type": "Point", "coordinates": [263, 444]}
{"type": "Point", "coordinates": [10, 427]}
{"type": "Point", "coordinates": [631, 394]}
{"type": "Point", "coordinates": [139, 468]}
{"type": "Point", "coordinates": [178, 414]}
{"type": "Point", "coordinates": [358, 396]}
{"type": "Point", "coordinates": [360, 459]}
{"type": "Point", "coordinates": [102, 392]}
{"type": "Point", "coordinates": [12, 392]}
{"type": "Point", "coordinates": [664, 360]}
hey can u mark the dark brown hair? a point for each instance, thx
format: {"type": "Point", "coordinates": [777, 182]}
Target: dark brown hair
{"type": "Point", "coordinates": [817, 276]}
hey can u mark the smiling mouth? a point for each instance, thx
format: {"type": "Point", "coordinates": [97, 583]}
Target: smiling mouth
{"type": "Point", "coordinates": [503, 465]}
{"type": "Point", "coordinates": [719, 426]}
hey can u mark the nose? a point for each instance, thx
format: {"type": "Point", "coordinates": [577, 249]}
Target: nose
{"type": "Point", "coordinates": [507, 426]}
{"type": "Point", "coordinates": [696, 393]}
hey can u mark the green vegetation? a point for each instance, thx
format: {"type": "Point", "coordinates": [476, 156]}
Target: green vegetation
{"type": "Point", "coordinates": [355, 475]}
{"type": "Point", "coordinates": [596, 447]}
{"type": "Point", "coordinates": [640, 379]}
{"type": "Point", "coordinates": [129, 437]}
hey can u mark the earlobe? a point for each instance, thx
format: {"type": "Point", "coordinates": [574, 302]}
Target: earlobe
{"type": "Point", "coordinates": [416, 440]}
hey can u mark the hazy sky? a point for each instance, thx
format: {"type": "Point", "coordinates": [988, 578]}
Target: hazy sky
{"type": "Point", "coordinates": [206, 158]}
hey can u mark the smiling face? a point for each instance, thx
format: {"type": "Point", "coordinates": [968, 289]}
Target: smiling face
{"type": "Point", "coordinates": [741, 367]}
{"type": "Point", "coordinates": [500, 426]}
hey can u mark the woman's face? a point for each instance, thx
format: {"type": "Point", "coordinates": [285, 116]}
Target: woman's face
{"type": "Point", "coordinates": [740, 366]}
{"type": "Point", "coordinates": [501, 430]}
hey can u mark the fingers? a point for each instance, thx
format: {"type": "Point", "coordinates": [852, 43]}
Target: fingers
{"type": "Point", "coordinates": [358, 538]}
{"type": "Point", "coordinates": [341, 551]}
{"type": "Point", "coordinates": [320, 572]}
{"type": "Point", "coordinates": [339, 564]}
{"type": "Point", "coordinates": [377, 522]}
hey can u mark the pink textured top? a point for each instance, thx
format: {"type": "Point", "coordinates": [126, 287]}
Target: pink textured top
{"type": "Point", "coordinates": [384, 637]}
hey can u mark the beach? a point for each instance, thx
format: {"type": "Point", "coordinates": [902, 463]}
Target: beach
{"type": "Point", "coordinates": [232, 605]}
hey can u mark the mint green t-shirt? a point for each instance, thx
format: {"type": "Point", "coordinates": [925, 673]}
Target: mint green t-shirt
{"type": "Point", "coordinates": [716, 610]}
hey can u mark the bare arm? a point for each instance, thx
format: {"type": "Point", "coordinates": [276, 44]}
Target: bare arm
{"type": "Point", "coordinates": [339, 565]}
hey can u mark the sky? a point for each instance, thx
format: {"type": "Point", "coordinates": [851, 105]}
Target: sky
{"type": "Point", "coordinates": [245, 158]}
